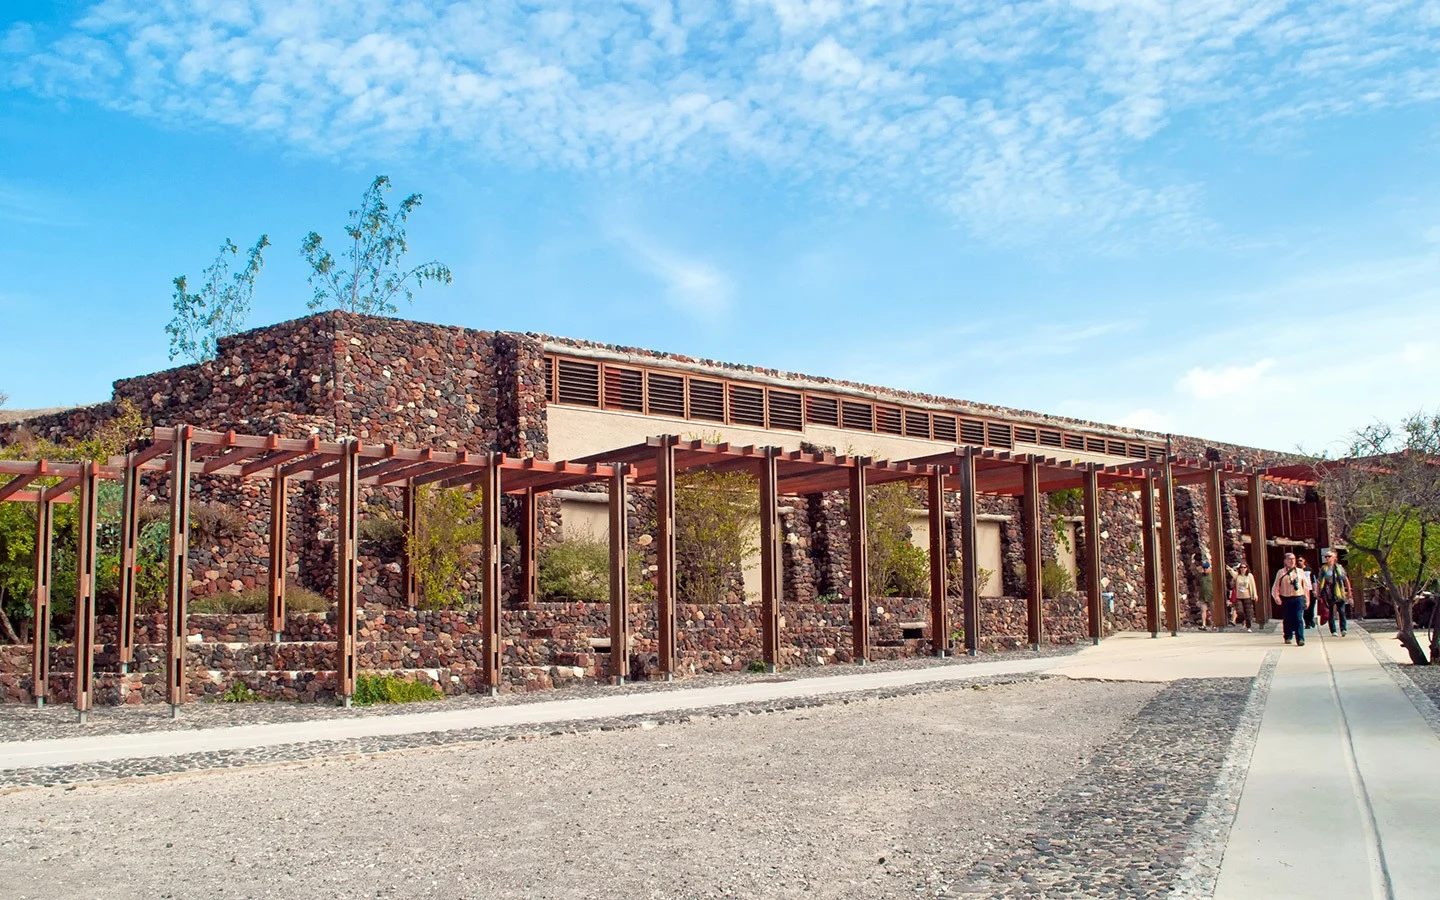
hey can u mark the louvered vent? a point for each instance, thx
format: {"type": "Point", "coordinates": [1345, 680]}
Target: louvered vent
{"type": "Point", "coordinates": [944, 427]}
{"type": "Point", "coordinates": [860, 416]}
{"type": "Point", "coordinates": [550, 378]}
{"type": "Point", "coordinates": [1025, 435]}
{"type": "Point", "coordinates": [667, 395]}
{"type": "Point", "coordinates": [1115, 448]}
{"type": "Point", "coordinates": [1095, 445]}
{"type": "Point", "coordinates": [1137, 451]}
{"type": "Point", "coordinates": [1049, 438]}
{"type": "Point", "coordinates": [917, 424]}
{"type": "Point", "coordinates": [579, 383]}
{"type": "Point", "coordinates": [887, 419]}
{"type": "Point", "coordinates": [999, 435]}
{"type": "Point", "coordinates": [624, 389]}
{"type": "Point", "coordinates": [747, 405]}
{"type": "Point", "coordinates": [1074, 442]}
{"type": "Point", "coordinates": [972, 432]}
{"type": "Point", "coordinates": [707, 400]}
{"type": "Point", "coordinates": [1157, 454]}
{"type": "Point", "coordinates": [785, 410]}
{"type": "Point", "coordinates": [822, 411]}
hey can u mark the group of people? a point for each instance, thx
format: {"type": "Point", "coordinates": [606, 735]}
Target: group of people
{"type": "Point", "coordinates": [1300, 593]}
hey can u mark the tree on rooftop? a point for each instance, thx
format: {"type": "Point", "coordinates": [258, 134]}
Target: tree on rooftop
{"type": "Point", "coordinates": [219, 307]}
{"type": "Point", "coordinates": [370, 277]}
{"type": "Point", "coordinates": [1384, 499]}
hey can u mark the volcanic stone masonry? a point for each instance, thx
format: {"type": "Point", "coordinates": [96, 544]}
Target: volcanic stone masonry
{"type": "Point", "coordinates": [421, 385]}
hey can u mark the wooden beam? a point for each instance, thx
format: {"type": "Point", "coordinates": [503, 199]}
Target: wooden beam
{"type": "Point", "coordinates": [129, 540]}
{"type": "Point", "coordinates": [529, 575]}
{"type": "Point", "coordinates": [40, 638]}
{"type": "Point", "coordinates": [410, 516]}
{"type": "Point", "coordinates": [1218, 562]}
{"type": "Point", "coordinates": [969, 553]}
{"type": "Point", "coordinates": [1090, 496]}
{"type": "Point", "coordinates": [619, 581]}
{"type": "Point", "coordinates": [15, 486]}
{"type": "Point", "coordinates": [279, 553]}
{"type": "Point", "coordinates": [939, 580]}
{"type": "Point", "coordinates": [347, 570]}
{"type": "Point", "coordinates": [667, 633]}
{"type": "Point", "coordinates": [1032, 522]}
{"type": "Point", "coordinates": [178, 580]}
{"type": "Point", "coordinates": [86, 527]}
{"type": "Point", "coordinates": [1169, 576]}
{"type": "Point", "coordinates": [1259, 557]}
{"type": "Point", "coordinates": [859, 566]}
{"type": "Point", "coordinates": [771, 567]}
{"type": "Point", "coordinates": [490, 573]}
{"type": "Point", "coordinates": [1149, 542]}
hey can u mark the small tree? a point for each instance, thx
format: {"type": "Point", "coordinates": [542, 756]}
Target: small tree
{"type": "Point", "coordinates": [1384, 499]}
{"type": "Point", "coordinates": [220, 307]}
{"type": "Point", "coordinates": [447, 529]}
{"type": "Point", "coordinates": [372, 277]}
{"type": "Point", "coordinates": [897, 567]}
{"type": "Point", "coordinates": [717, 517]}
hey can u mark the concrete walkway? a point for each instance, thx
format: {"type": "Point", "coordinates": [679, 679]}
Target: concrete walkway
{"type": "Point", "coordinates": [1337, 800]}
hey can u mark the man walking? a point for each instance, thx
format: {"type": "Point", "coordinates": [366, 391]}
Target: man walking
{"type": "Point", "coordinates": [1335, 591]}
{"type": "Point", "coordinates": [1292, 591]}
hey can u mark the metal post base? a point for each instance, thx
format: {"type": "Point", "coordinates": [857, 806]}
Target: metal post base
{"type": "Point", "coordinates": [1035, 647]}
{"type": "Point", "coordinates": [345, 701]}
{"type": "Point", "coordinates": [82, 716]}
{"type": "Point", "coordinates": [859, 660]}
{"type": "Point", "coordinates": [1095, 641]}
{"type": "Point", "coordinates": [277, 635]}
{"type": "Point", "coordinates": [39, 702]}
{"type": "Point", "coordinates": [669, 676]}
{"type": "Point", "coordinates": [770, 669]}
{"type": "Point", "coordinates": [942, 653]}
{"type": "Point", "coordinates": [618, 680]}
{"type": "Point", "coordinates": [124, 668]}
{"type": "Point", "coordinates": [174, 710]}
{"type": "Point", "coordinates": [493, 691]}
{"type": "Point", "coordinates": [972, 652]}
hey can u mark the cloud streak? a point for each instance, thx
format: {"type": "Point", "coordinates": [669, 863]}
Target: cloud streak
{"type": "Point", "coordinates": [1021, 120]}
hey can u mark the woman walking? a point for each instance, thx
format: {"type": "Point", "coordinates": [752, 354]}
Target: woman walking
{"type": "Point", "coordinates": [1245, 596]}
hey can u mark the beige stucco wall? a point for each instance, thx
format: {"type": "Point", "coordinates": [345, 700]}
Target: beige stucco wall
{"type": "Point", "coordinates": [1065, 555]}
{"type": "Point", "coordinates": [584, 520]}
{"type": "Point", "coordinates": [987, 553]}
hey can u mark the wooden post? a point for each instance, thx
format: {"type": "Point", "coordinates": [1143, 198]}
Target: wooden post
{"type": "Point", "coordinates": [1259, 559]}
{"type": "Point", "coordinates": [409, 513]}
{"type": "Point", "coordinates": [1169, 577]}
{"type": "Point", "coordinates": [619, 580]}
{"type": "Point", "coordinates": [1149, 542]}
{"type": "Point", "coordinates": [529, 551]}
{"type": "Point", "coordinates": [1032, 523]}
{"type": "Point", "coordinates": [1218, 562]}
{"type": "Point", "coordinates": [178, 580]}
{"type": "Point", "coordinates": [490, 574]}
{"type": "Point", "coordinates": [667, 635]}
{"type": "Point", "coordinates": [969, 561]}
{"type": "Point", "coordinates": [771, 574]}
{"type": "Point", "coordinates": [86, 526]}
{"type": "Point", "coordinates": [859, 563]}
{"type": "Point", "coordinates": [1091, 497]}
{"type": "Point", "coordinates": [40, 640]}
{"type": "Point", "coordinates": [346, 579]}
{"type": "Point", "coordinates": [279, 539]}
{"type": "Point", "coordinates": [939, 577]}
{"type": "Point", "coordinates": [129, 539]}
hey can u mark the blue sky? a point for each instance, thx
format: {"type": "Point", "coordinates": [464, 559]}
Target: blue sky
{"type": "Point", "coordinates": [1208, 217]}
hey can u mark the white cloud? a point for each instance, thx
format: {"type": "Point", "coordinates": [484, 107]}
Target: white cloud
{"type": "Point", "coordinates": [1225, 382]}
{"type": "Point", "coordinates": [1019, 119]}
{"type": "Point", "coordinates": [692, 286]}
{"type": "Point", "coordinates": [1146, 419]}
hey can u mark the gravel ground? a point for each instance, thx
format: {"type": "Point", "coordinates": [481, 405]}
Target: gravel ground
{"type": "Point", "coordinates": [1421, 684]}
{"type": "Point", "coordinates": [872, 798]}
{"type": "Point", "coordinates": [21, 723]}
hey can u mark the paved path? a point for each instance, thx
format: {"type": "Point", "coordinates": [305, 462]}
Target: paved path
{"type": "Point", "coordinates": [1337, 801]}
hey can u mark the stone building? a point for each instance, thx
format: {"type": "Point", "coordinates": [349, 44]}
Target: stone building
{"type": "Point", "coordinates": [421, 385]}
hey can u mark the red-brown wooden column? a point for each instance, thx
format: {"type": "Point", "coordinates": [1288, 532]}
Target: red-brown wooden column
{"type": "Point", "coordinates": [1169, 577]}
{"type": "Point", "coordinates": [939, 577]}
{"type": "Point", "coordinates": [178, 581]}
{"type": "Point", "coordinates": [412, 532]}
{"type": "Point", "coordinates": [347, 575]}
{"type": "Point", "coordinates": [1259, 559]}
{"type": "Point", "coordinates": [859, 564]}
{"type": "Point", "coordinates": [1218, 562]}
{"type": "Point", "coordinates": [1090, 492]}
{"type": "Point", "coordinates": [129, 539]}
{"type": "Point", "coordinates": [490, 571]}
{"type": "Point", "coordinates": [969, 561]}
{"type": "Point", "coordinates": [40, 639]}
{"type": "Point", "coordinates": [619, 580]}
{"type": "Point", "coordinates": [666, 634]}
{"type": "Point", "coordinates": [1149, 541]}
{"type": "Point", "coordinates": [279, 538]}
{"type": "Point", "coordinates": [1032, 523]}
{"type": "Point", "coordinates": [87, 512]}
{"type": "Point", "coordinates": [771, 570]}
{"type": "Point", "coordinates": [529, 580]}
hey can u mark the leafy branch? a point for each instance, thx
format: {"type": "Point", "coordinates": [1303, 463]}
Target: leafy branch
{"type": "Point", "coordinates": [219, 308]}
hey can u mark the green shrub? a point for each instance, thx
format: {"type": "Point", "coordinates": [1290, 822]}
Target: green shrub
{"type": "Point", "coordinates": [579, 569]}
{"type": "Point", "coordinates": [897, 567]}
{"type": "Point", "coordinates": [447, 528]}
{"type": "Point", "coordinates": [717, 519]}
{"type": "Point", "coordinates": [382, 535]}
{"type": "Point", "coordinates": [757, 667]}
{"type": "Point", "coordinates": [239, 692]}
{"type": "Point", "coordinates": [371, 689]}
{"type": "Point", "coordinates": [257, 600]}
{"type": "Point", "coordinates": [1055, 580]}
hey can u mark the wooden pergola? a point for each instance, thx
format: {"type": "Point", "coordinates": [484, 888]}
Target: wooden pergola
{"type": "Point", "coordinates": [183, 453]}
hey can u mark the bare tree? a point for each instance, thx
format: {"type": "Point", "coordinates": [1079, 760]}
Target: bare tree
{"type": "Point", "coordinates": [1384, 499]}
